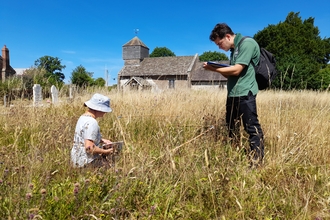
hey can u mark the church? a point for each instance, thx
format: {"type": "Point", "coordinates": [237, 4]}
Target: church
{"type": "Point", "coordinates": [141, 72]}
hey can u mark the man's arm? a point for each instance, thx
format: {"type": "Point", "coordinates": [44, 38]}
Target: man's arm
{"type": "Point", "coordinates": [226, 71]}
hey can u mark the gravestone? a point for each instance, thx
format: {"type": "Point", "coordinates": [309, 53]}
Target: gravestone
{"type": "Point", "coordinates": [70, 93]}
{"type": "Point", "coordinates": [54, 92]}
{"type": "Point", "coordinates": [37, 95]}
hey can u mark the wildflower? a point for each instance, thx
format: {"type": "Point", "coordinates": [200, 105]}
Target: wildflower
{"type": "Point", "coordinates": [28, 196]}
{"type": "Point", "coordinates": [76, 191]}
{"type": "Point", "coordinates": [153, 208]}
{"type": "Point", "coordinates": [43, 191]}
{"type": "Point", "coordinates": [56, 199]}
{"type": "Point", "coordinates": [1, 181]}
{"type": "Point", "coordinates": [87, 181]}
{"type": "Point", "coordinates": [77, 185]}
{"type": "Point", "coordinates": [31, 216]}
{"type": "Point", "coordinates": [31, 185]}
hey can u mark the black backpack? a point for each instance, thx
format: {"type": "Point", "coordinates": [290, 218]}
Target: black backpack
{"type": "Point", "coordinates": [266, 68]}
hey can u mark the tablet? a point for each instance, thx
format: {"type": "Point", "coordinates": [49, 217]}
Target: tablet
{"type": "Point", "coordinates": [217, 64]}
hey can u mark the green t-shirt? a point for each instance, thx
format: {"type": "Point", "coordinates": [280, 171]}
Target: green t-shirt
{"type": "Point", "coordinates": [246, 81]}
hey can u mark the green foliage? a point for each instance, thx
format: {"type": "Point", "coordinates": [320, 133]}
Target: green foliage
{"type": "Point", "coordinates": [162, 52]}
{"type": "Point", "coordinates": [100, 82]}
{"type": "Point", "coordinates": [36, 76]}
{"type": "Point", "coordinates": [323, 81]}
{"type": "Point", "coordinates": [213, 56]}
{"type": "Point", "coordinates": [53, 68]}
{"type": "Point", "coordinates": [299, 50]}
{"type": "Point", "coordinates": [81, 77]}
{"type": "Point", "coordinates": [21, 87]}
{"type": "Point", "coordinates": [11, 88]}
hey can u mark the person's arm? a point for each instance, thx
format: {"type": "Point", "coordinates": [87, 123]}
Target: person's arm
{"type": "Point", "coordinates": [226, 71]}
{"type": "Point", "coordinates": [93, 149]}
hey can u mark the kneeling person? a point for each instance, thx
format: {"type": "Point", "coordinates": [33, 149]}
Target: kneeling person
{"type": "Point", "coordinates": [87, 148]}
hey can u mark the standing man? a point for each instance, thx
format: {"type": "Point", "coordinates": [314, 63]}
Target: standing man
{"type": "Point", "coordinates": [242, 86]}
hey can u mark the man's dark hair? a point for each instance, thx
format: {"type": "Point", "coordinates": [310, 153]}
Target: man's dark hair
{"type": "Point", "coordinates": [220, 30]}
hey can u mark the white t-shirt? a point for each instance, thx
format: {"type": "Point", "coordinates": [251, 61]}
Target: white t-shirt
{"type": "Point", "coordinates": [87, 128]}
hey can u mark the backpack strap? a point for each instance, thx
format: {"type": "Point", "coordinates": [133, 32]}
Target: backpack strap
{"type": "Point", "coordinates": [239, 43]}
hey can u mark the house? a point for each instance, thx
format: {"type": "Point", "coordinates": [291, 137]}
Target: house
{"type": "Point", "coordinates": [141, 72]}
{"type": "Point", "coordinates": [6, 69]}
{"type": "Point", "coordinates": [20, 71]}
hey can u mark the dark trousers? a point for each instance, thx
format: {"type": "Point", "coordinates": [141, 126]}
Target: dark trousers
{"type": "Point", "coordinates": [244, 109]}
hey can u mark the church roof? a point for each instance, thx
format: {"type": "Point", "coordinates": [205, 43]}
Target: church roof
{"type": "Point", "coordinates": [139, 80]}
{"type": "Point", "coordinates": [153, 66]}
{"type": "Point", "coordinates": [202, 75]}
{"type": "Point", "coordinates": [135, 42]}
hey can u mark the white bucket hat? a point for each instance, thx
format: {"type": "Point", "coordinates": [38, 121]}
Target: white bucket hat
{"type": "Point", "coordinates": [99, 103]}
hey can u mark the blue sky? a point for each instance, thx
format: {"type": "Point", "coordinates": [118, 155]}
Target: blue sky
{"type": "Point", "coordinates": [92, 33]}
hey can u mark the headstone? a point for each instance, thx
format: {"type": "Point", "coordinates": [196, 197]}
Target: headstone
{"type": "Point", "coordinates": [54, 93]}
{"type": "Point", "coordinates": [70, 93]}
{"type": "Point", "coordinates": [37, 95]}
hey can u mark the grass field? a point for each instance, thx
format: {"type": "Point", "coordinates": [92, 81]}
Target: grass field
{"type": "Point", "coordinates": [177, 162]}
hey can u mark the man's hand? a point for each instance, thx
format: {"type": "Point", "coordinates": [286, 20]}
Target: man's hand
{"type": "Point", "coordinates": [208, 67]}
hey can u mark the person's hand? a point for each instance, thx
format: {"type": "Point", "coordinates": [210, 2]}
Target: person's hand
{"type": "Point", "coordinates": [208, 67]}
{"type": "Point", "coordinates": [107, 146]}
{"type": "Point", "coordinates": [110, 151]}
{"type": "Point", "coordinates": [204, 64]}
{"type": "Point", "coordinates": [106, 141]}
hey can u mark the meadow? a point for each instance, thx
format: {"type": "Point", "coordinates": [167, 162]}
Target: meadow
{"type": "Point", "coordinates": [177, 162]}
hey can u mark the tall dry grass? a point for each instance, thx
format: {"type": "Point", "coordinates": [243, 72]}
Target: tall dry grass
{"type": "Point", "coordinates": [177, 162]}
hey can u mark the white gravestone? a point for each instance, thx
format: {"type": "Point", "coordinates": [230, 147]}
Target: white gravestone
{"type": "Point", "coordinates": [70, 93]}
{"type": "Point", "coordinates": [37, 95]}
{"type": "Point", "coordinates": [54, 93]}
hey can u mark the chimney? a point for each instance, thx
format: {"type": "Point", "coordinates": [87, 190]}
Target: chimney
{"type": "Point", "coordinates": [5, 72]}
{"type": "Point", "coordinates": [5, 57]}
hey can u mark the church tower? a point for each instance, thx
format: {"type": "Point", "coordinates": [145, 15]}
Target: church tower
{"type": "Point", "coordinates": [134, 51]}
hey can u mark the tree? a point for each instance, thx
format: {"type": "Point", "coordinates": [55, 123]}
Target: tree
{"type": "Point", "coordinates": [81, 77]}
{"type": "Point", "coordinates": [53, 68]}
{"type": "Point", "coordinates": [100, 82]}
{"type": "Point", "coordinates": [299, 50]}
{"type": "Point", "coordinates": [324, 79]}
{"type": "Point", "coordinates": [162, 52]}
{"type": "Point", "coordinates": [212, 56]}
